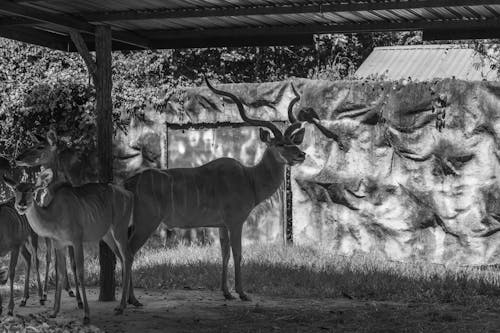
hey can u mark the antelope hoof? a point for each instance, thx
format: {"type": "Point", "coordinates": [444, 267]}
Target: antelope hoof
{"type": "Point", "coordinates": [80, 305]}
{"type": "Point", "coordinates": [71, 293]}
{"type": "Point", "coordinates": [135, 302]}
{"type": "Point", "coordinates": [118, 311]}
{"type": "Point", "coordinates": [244, 297]}
{"type": "Point", "coordinates": [23, 303]}
{"type": "Point", "coordinates": [53, 315]}
{"type": "Point", "coordinates": [42, 301]}
{"type": "Point", "coordinates": [229, 296]}
{"type": "Point", "coordinates": [86, 320]}
{"type": "Point", "coordinates": [10, 313]}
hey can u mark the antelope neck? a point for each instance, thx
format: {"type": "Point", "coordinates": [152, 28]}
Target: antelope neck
{"type": "Point", "coordinates": [57, 182]}
{"type": "Point", "coordinates": [38, 216]}
{"type": "Point", "coordinates": [266, 176]}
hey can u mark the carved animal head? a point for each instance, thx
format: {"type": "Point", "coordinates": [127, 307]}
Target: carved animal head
{"type": "Point", "coordinates": [284, 145]}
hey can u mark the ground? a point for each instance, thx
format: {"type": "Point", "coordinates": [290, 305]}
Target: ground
{"type": "Point", "coordinates": [206, 311]}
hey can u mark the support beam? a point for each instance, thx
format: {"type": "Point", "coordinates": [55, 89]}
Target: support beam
{"type": "Point", "coordinates": [447, 34]}
{"type": "Point", "coordinates": [233, 41]}
{"type": "Point", "coordinates": [313, 28]}
{"type": "Point", "coordinates": [81, 46]}
{"type": "Point", "coordinates": [233, 11]}
{"type": "Point", "coordinates": [16, 21]}
{"type": "Point", "coordinates": [104, 109]}
{"type": "Point", "coordinates": [65, 22]}
{"type": "Point", "coordinates": [288, 223]}
{"type": "Point", "coordinates": [37, 37]}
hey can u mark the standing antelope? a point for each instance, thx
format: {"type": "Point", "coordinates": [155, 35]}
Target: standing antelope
{"type": "Point", "coordinates": [16, 236]}
{"type": "Point", "coordinates": [74, 215]}
{"type": "Point", "coordinates": [221, 193]}
{"type": "Point", "coordinates": [5, 168]}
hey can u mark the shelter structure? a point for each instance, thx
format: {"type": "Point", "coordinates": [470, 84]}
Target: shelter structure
{"type": "Point", "coordinates": [427, 62]}
{"type": "Point", "coordinates": [203, 23]}
{"type": "Point", "coordinates": [103, 26]}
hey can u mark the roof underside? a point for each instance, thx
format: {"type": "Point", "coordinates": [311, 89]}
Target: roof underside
{"type": "Point", "coordinates": [210, 23]}
{"type": "Point", "coordinates": [427, 62]}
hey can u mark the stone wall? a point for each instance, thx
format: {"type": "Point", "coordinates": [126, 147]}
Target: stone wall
{"type": "Point", "coordinates": [399, 188]}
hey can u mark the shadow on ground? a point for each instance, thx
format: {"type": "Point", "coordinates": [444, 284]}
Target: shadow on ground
{"type": "Point", "coordinates": [207, 311]}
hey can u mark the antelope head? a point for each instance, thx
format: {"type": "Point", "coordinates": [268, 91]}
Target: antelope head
{"type": "Point", "coordinates": [284, 146]}
{"type": "Point", "coordinates": [42, 153]}
{"type": "Point", "coordinates": [25, 193]}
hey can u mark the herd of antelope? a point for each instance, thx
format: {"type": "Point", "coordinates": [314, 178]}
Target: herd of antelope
{"type": "Point", "coordinates": [221, 194]}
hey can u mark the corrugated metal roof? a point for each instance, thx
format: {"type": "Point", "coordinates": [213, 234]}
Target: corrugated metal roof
{"type": "Point", "coordinates": [204, 23]}
{"type": "Point", "coordinates": [427, 62]}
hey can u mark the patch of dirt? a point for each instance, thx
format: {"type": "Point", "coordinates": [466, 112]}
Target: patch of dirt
{"type": "Point", "coordinates": [207, 311]}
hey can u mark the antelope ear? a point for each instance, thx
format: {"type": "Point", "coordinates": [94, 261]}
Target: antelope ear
{"type": "Point", "coordinates": [9, 182]}
{"type": "Point", "coordinates": [44, 178]}
{"type": "Point", "coordinates": [52, 137]}
{"type": "Point", "coordinates": [265, 136]}
{"type": "Point", "coordinates": [298, 136]}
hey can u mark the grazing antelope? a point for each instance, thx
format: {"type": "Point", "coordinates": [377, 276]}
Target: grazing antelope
{"type": "Point", "coordinates": [74, 215]}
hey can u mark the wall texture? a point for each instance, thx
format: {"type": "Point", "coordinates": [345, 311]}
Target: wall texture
{"type": "Point", "coordinates": [398, 187]}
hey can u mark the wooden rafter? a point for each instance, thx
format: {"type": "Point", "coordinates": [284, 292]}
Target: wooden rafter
{"type": "Point", "coordinates": [54, 29]}
{"type": "Point", "coordinates": [15, 21]}
{"type": "Point", "coordinates": [66, 22]}
{"type": "Point", "coordinates": [320, 28]}
{"type": "Point", "coordinates": [233, 41]}
{"type": "Point", "coordinates": [37, 37]}
{"type": "Point", "coordinates": [276, 9]}
{"type": "Point", "coordinates": [450, 34]}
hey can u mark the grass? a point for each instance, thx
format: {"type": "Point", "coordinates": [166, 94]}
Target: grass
{"type": "Point", "coordinates": [301, 271]}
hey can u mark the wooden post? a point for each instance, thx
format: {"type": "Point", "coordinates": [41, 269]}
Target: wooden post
{"type": "Point", "coordinates": [104, 109]}
{"type": "Point", "coordinates": [288, 230]}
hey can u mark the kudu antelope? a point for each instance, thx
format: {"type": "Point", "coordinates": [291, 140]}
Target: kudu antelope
{"type": "Point", "coordinates": [221, 193]}
{"type": "Point", "coordinates": [48, 153]}
{"type": "Point", "coordinates": [16, 236]}
{"type": "Point", "coordinates": [74, 215]}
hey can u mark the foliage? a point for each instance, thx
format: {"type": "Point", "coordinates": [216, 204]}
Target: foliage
{"type": "Point", "coordinates": [489, 51]}
{"type": "Point", "coordinates": [42, 88]}
{"type": "Point", "coordinates": [63, 105]}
